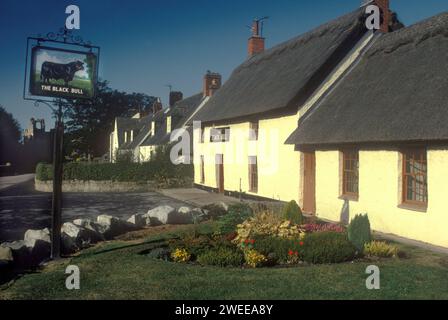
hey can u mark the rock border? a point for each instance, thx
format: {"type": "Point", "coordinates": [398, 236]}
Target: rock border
{"type": "Point", "coordinates": [82, 233]}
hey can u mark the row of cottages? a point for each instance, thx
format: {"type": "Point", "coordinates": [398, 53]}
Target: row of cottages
{"type": "Point", "coordinates": [140, 135]}
{"type": "Point", "coordinates": [342, 119]}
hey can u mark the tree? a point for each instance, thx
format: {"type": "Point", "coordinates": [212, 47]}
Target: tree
{"type": "Point", "coordinates": [10, 135]}
{"type": "Point", "coordinates": [89, 123]}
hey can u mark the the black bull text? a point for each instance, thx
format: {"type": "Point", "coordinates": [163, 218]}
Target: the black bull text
{"type": "Point", "coordinates": [56, 71]}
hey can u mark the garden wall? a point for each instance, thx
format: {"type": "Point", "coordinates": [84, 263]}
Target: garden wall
{"type": "Point", "coordinates": [113, 186]}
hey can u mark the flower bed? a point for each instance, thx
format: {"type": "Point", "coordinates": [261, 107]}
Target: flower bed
{"type": "Point", "coordinates": [265, 240]}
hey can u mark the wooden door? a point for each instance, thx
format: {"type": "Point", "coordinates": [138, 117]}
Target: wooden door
{"type": "Point", "coordinates": [220, 172]}
{"type": "Point", "coordinates": [309, 183]}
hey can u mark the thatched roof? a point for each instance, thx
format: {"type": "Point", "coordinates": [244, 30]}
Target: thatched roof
{"type": "Point", "coordinates": [398, 92]}
{"type": "Point", "coordinates": [282, 78]}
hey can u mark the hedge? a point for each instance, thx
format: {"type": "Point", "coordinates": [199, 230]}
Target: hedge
{"type": "Point", "coordinates": [132, 172]}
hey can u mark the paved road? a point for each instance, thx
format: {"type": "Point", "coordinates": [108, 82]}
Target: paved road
{"type": "Point", "coordinates": [22, 208]}
{"type": "Point", "coordinates": [6, 182]}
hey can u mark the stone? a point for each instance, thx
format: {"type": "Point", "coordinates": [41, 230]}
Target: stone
{"type": "Point", "coordinates": [139, 220]}
{"type": "Point", "coordinates": [161, 214]}
{"type": "Point", "coordinates": [31, 236]}
{"type": "Point", "coordinates": [168, 215]}
{"type": "Point", "coordinates": [95, 228]}
{"type": "Point", "coordinates": [223, 205]}
{"type": "Point", "coordinates": [113, 226]}
{"type": "Point", "coordinates": [75, 237]}
{"type": "Point", "coordinates": [6, 255]}
{"type": "Point", "coordinates": [184, 210]}
{"type": "Point", "coordinates": [20, 251]}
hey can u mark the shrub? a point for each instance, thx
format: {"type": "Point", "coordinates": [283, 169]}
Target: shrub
{"type": "Point", "coordinates": [180, 255]}
{"type": "Point", "coordinates": [44, 172]}
{"type": "Point", "coordinates": [281, 250]}
{"type": "Point", "coordinates": [254, 259]}
{"type": "Point", "coordinates": [292, 212]}
{"type": "Point", "coordinates": [327, 247]}
{"type": "Point", "coordinates": [316, 227]}
{"type": "Point", "coordinates": [160, 169]}
{"type": "Point", "coordinates": [159, 253]}
{"type": "Point", "coordinates": [380, 249]}
{"type": "Point", "coordinates": [236, 214]}
{"type": "Point", "coordinates": [214, 211]}
{"type": "Point", "coordinates": [222, 257]}
{"type": "Point", "coordinates": [359, 231]}
{"type": "Point", "coordinates": [267, 224]}
{"type": "Point", "coordinates": [194, 245]}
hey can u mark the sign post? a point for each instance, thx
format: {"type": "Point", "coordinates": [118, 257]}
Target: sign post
{"type": "Point", "coordinates": [56, 208]}
{"type": "Point", "coordinates": [58, 71]}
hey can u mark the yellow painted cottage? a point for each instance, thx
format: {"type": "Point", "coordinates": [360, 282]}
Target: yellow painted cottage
{"type": "Point", "coordinates": [342, 119]}
{"type": "Point", "coordinates": [379, 140]}
{"type": "Point", "coordinates": [239, 145]}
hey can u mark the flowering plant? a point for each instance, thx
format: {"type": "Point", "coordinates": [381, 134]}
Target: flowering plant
{"type": "Point", "coordinates": [180, 255]}
{"type": "Point", "coordinates": [254, 258]}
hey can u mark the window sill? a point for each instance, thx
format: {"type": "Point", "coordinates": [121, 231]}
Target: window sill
{"type": "Point", "coordinates": [413, 207]}
{"type": "Point", "coordinates": [349, 197]}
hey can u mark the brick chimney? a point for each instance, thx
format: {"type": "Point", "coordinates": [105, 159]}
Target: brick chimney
{"type": "Point", "coordinates": [175, 96]}
{"type": "Point", "coordinates": [157, 106]}
{"type": "Point", "coordinates": [212, 82]}
{"type": "Point", "coordinates": [386, 14]}
{"type": "Point", "coordinates": [256, 41]}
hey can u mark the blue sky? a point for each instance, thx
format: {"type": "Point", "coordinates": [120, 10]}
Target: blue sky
{"type": "Point", "coordinates": [146, 45]}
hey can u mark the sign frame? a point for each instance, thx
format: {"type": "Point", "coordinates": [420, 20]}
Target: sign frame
{"type": "Point", "coordinates": [33, 69]}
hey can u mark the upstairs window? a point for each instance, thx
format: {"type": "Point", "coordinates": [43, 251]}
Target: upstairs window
{"type": "Point", "coordinates": [350, 180]}
{"type": "Point", "coordinates": [253, 131]}
{"type": "Point", "coordinates": [415, 177]}
{"type": "Point", "coordinates": [253, 174]}
{"type": "Point", "coordinates": [219, 134]}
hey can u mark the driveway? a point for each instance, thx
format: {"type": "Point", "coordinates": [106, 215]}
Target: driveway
{"type": "Point", "coordinates": [22, 208]}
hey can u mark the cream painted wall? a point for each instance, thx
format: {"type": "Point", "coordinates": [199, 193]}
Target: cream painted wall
{"type": "Point", "coordinates": [114, 146]}
{"type": "Point", "coordinates": [278, 164]}
{"type": "Point", "coordinates": [380, 194]}
{"type": "Point", "coordinates": [145, 153]}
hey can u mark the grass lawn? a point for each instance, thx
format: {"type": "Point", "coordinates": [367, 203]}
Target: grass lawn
{"type": "Point", "coordinates": [116, 270]}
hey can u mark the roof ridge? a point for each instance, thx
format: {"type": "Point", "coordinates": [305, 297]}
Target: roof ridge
{"type": "Point", "coordinates": [413, 34]}
{"type": "Point", "coordinates": [299, 39]}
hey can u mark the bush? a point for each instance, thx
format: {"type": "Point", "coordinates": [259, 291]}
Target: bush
{"type": "Point", "coordinates": [159, 253]}
{"type": "Point", "coordinates": [236, 214]}
{"type": "Point", "coordinates": [195, 245]}
{"type": "Point", "coordinates": [222, 257]}
{"type": "Point", "coordinates": [279, 250]}
{"type": "Point", "coordinates": [380, 249]}
{"type": "Point", "coordinates": [254, 259]}
{"type": "Point", "coordinates": [327, 247]}
{"type": "Point", "coordinates": [292, 212]}
{"type": "Point", "coordinates": [121, 171]}
{"type": "Point", "coordinates": [214, 211]}
{"type": "Point", "coordinates": [267, 224]}
{"type": "Point", "coordinates": [359, 231]}
{"type": "Point", "coordinates": [44, 172]}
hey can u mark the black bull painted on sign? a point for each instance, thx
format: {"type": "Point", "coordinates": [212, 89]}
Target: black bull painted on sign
{"type": "Point", "coordinates": [57, 71]}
